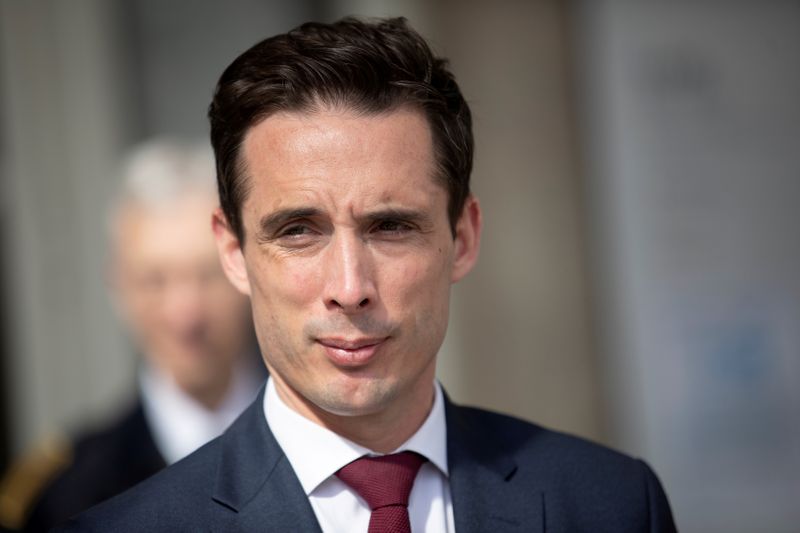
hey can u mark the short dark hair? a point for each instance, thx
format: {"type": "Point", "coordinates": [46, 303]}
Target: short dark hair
{"type": "Point", "coordinates": [367, 66]}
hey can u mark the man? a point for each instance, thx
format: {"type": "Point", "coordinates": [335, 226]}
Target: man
{"type": "Point", "coordinates": [343, 160]}
{"type": "Point", "coordinates": [192, 327]}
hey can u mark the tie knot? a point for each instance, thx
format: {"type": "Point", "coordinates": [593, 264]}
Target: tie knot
{"type": "Point", "coordinates": [384, 480]}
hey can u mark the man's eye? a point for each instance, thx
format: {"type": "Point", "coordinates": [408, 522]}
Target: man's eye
{"type": "Point", "coordinates": [392, 226]}
{"type": "Point", "coordinates": [294, 231]}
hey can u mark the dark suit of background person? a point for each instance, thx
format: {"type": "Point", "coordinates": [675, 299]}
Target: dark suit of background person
{"type": "Point", "coordinates": [103, 464]}
{"type": "Point", "coordinates": [335, 219]}
{"type": "Point", "coordinates": [198, 366]}
{"type": "Point", "coordinates": [63, 478]}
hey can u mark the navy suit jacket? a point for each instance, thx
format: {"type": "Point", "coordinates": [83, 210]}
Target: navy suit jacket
{"type": "Point", "coordinates": [505, 475]}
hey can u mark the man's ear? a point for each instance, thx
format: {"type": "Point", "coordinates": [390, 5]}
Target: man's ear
{"type": "Point", "coordinates": [468, 239]}
{"type": "Point", "coordinates": [230, 252]}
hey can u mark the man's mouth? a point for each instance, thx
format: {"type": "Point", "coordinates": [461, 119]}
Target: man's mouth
{"type": "Point", "coordinates": [351, 351]}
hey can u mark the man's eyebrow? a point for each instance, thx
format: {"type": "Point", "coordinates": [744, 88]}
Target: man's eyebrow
{"type": "Point", "coordinates": [396, 213]}
{"type": "Point", "coordinates": [272, 222]}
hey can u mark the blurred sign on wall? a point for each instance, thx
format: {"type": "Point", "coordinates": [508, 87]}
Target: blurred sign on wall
{"type": "Point", "coordinates": [693, 137]}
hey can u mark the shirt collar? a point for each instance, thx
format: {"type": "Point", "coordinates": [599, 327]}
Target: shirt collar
{"type": "Point", "coordinates": [179, 423]}
{"type": "Point", "coordinates": [316, 453]}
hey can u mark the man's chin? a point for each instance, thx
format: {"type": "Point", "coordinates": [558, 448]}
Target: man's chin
{"type": "Point", "coordinates": [368, 399]}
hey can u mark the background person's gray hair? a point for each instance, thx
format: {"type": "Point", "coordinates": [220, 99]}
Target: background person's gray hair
{"type": "Point", "coordinates": [156, 172]}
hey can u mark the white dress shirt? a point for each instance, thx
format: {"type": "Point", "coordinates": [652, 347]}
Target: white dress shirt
{"type": "Point", "coordinates": [316, 453]}
{"type": "Point", "coordinates": [179, 423]}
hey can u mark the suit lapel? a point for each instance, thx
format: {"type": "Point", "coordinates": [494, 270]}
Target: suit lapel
{"type": "Point", "coordinates": [256, 481]}
{"type": "Point", "coordinates": [488, 494]}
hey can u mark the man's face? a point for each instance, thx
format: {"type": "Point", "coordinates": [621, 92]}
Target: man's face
{"type": "Point", "coordinates": [186, 317]}
{"type": "Point", "coordinates": [348, 259]}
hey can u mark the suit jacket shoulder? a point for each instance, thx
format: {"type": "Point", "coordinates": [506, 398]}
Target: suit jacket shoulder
{"type": "Point", "coordinates": [535, 479]}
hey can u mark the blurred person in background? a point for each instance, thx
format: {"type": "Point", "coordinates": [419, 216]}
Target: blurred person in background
{"type": "Point", "coordinates": [199, 368]}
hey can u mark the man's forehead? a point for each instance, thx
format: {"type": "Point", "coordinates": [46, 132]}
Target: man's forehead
{"type": "Point", "coordinates": [333, 142]}
{"type": "Point", "coordinates": [178, 221]}
{"type": "Point", "coordinates": [323, 124]}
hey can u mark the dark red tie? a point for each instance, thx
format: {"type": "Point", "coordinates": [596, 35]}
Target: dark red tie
{"type": "Point", "coordinates": [385, 483]}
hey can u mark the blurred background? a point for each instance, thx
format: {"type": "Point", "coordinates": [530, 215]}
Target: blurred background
{"type": "Point", "coordinates": [639, 169]}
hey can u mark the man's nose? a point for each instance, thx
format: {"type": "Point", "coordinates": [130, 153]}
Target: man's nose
{"type": "Point", "coordinates": [349, 285]}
